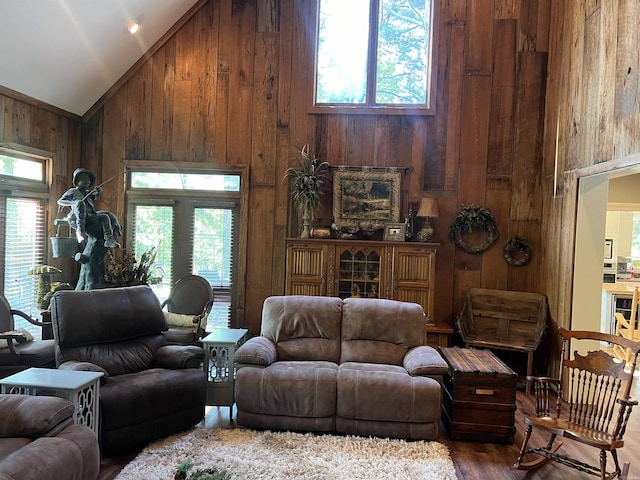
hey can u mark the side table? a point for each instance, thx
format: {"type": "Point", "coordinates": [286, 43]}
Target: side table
{"type": "Point", "coordinates": [219, 351]}
{"type": "Point", "coordinates": [79, 387]}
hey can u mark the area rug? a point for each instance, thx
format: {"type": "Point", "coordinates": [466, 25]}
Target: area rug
{"type": "Point", "coordinates": [254, 455]}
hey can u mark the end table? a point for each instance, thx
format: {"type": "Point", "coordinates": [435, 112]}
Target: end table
{"type": "Point", "coordinates": [79, 387]}
{"type": "Point", "coordinates": [219, 350]}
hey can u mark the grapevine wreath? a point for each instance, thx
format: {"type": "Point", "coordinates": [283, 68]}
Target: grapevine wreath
{"type": "Point", "coordinates": [517, 251]}
{"type": "Point", "coordinates": [472, 218]}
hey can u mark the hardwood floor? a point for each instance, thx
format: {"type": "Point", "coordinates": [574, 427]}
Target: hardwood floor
{"type": "Point", "coordinates": [477, 461]}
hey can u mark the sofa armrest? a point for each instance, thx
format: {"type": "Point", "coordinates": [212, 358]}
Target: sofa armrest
{"type": "Point", "coordinates": [259, 351]}
{"type": "Point", "coordinates": [423, 361]}
{"type": "Point", "coordinates": [85, 367]}
{"type": "Point", "coordinates": [33, 417]}
{"type": "Point", "coordinates": [175, 357]}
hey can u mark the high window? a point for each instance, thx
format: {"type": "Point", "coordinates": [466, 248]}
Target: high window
{"type": "Point", "coordinates": [192, 221]}
{"type": "Point", "coordinates": [374, 54]}
{"type": "Point", "coordinates": [23, 206]}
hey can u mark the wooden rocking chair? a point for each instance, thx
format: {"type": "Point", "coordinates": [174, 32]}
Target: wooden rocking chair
{"type": "Point", "coordinates": [627, 328]}
{"type": "Point", "coordinates": [592, 404]}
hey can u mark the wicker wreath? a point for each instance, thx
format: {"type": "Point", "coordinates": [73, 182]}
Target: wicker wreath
{"type": "Point", "coordinates": [472, 218]}
{"type": "Point", "coordinates": [517, 251]}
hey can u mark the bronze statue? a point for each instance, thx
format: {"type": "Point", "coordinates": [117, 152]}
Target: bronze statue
{"type": "Point", "coordinates": [99, 228]}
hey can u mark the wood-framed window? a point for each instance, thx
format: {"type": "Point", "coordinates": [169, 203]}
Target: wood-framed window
{"type": "Point", "coordinates": [375, 56]}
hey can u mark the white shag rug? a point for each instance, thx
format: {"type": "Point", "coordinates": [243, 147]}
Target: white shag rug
{"type": "Point", "coordinates": [253, 455]}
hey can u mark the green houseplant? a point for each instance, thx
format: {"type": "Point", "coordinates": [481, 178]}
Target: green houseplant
{"type": "Point", "coordinates": [306, 187]}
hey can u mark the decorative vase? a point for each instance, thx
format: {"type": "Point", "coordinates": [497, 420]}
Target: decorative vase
{"type": "Point", "coordinates": [306, 222]}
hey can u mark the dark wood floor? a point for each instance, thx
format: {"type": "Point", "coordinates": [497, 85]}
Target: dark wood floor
{"type": "Point", "coordinates": [477, 461]}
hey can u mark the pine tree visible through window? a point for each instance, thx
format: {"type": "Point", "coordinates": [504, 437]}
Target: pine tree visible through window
{"type": "Point", "coordinates": [23, 201]}
{"type": "Point", "coordinates": [191, 220]}
{"type": "Point", "coordinates": [374, 53]}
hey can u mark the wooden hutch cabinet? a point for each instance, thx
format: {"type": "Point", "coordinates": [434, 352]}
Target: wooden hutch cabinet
{"type": "Point", "coordinates": [346, 268]}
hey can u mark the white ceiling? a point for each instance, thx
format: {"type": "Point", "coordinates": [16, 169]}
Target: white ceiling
{"type": "Point", "coordinates": [68, 53]}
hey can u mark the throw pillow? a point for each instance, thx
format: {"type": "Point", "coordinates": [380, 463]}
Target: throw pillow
{"type": "Point", "coordinates": [179, 320]}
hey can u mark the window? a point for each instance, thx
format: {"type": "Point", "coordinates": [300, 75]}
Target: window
{"type": "Point", "coordinates": [191, 219]}
{"type": "Point", "coordinates": [23, 206]}
{"type": "Point", "coordinates": [374, 54]}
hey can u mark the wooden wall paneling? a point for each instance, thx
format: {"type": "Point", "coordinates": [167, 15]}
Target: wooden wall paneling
{"type": "Point", "coordinates": [527, 41]}
{"type": "Point", "coordinates": [112, 197]}
{"type": "Point", "coordinates": [597, 101]}
{"type": "Point", "coordinates": [382, 152]}
{"type": "Point", "coordinates": [138, 112]}
{"type": "Point", "coordinates": [479, 40]}
{"type": "Point", "coordinates": [92, 140]}
{"type": "Point", "coordinates": [627, 81]}
{"type": "Point", "coordinates": [447, 207]}
{"type": "Point", "coordinates": [455, 62]}
{"type": "Point", "coordinates": [494, 268]}
{"type": "Point", "coordinates": [543, 25]}
{"type": "Point", "coordinates": [527, 167]}
{"type": "Point", "coordinates": [259, 254]}
{"type": "Point", "coordinates": [265, 111]}
{"type": "Point", "coordinates": [423, 174]}
{"type": "Point", "coordinates": [280, 215]}
{"type": "Point", "coordinates": [44, 130]}
{"type": "Point", "coordinates": [503, 91]}
{"type": "Point", "coordinates": [454, 10]}
{"type": "Point", "coordinates": [19, 123]}
{"type": "Point", "coordinates": [161, 93]}
{"type": "Point", "coordinates": [239, 115]}
{"type": "Point", "coordinates": [268, 16]}
{"type": "Point", "coordinates": [336, 141]}
{"type": "Point", "coordinates": [474, 128]}
{"type": "Point", "coordinates": [285, 65]}
{"type": "Point", "coordinates": [526, 277]}
{"type": "Point", "coordinates": [360, 140]}
{"type": "Point", "coordinates": [183, 94]}
{"type": "Point", "coordinates": [572, 87]}
{"type": "Point", "coordinates": [211, 16]}
{"type": "Point", "coordinates": [300, 122]}
{"type": "Point", "coordinates": [507, 9]}
{"type": "Point", "coordinates": [200, 76]}
{"type": "Point", "coordinates": [3, 111]}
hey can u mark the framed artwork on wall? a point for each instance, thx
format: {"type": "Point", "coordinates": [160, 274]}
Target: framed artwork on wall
{"type": "Point", "coordinates": [366, 198]}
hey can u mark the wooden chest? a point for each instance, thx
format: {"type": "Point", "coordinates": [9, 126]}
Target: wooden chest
{"type": "Point", "coordinates": [479, 397]}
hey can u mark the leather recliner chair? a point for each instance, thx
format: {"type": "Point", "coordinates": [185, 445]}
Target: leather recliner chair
{"type": "Point", "coordinates": [150, 389]}
{"type": "Point", "coordinates": [39, 440]}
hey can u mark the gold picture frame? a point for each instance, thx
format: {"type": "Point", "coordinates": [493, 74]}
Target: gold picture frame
{"type": "Point", "coordinates": [395, 232]}
{"type": "Point", "coordinates": [366, 198]}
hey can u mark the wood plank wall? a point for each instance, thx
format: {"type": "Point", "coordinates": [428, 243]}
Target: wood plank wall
{"type": "Point", "coordinates": [592, 125]}
{"type": "Point", "coordinates": [37, 128]}
{"type": "Point", "coordinates": [233, 87]}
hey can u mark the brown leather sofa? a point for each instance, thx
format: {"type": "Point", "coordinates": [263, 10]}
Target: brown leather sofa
{"type": "Point", "coordinates": [355, 366]}
{"type": "Point", "coordinates": [150, 389]}
{"type": "Point", "coordinates": [38, 439]}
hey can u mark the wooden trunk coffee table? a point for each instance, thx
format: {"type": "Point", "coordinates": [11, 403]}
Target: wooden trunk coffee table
{"type": "Point", "coordinates": [479, 397]}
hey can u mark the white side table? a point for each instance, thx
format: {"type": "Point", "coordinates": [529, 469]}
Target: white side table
{"type": "Point", "coordinates": [219, 348]}
{"type": "Point", "coordinates": [80, 388]}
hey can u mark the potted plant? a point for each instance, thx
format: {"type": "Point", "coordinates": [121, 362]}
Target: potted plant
{"type": "Point", "coordinates": [307, 184]}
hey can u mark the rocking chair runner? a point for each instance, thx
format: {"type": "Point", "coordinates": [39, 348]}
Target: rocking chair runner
{"type": "Point", "coordinates": [594, 391]}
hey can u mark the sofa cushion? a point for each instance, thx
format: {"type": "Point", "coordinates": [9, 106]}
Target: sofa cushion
{"type": "Point", "coordinates": [386, 393]}
{"type": "Point", "coordinates": [380, 331]}
{"type": "Point", "coordinates": [155, 393]}
{"type": "Point", "coordinates": [32, 416]}
{"type": "Point", "coordinates": [303, 328]}
{"type": "Point", "coordinates": [293, 388]}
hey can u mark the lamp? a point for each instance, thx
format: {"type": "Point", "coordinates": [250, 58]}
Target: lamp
{"type": "Point", "coordinates": [428, 209]}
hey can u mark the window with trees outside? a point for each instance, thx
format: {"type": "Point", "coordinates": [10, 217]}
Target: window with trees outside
{"type": "Point", "coordinates": [191, 220]}
{"type": "Point", "coordinates": [23, 204]}
{"type": "Point", "coordinates": [375, 54]}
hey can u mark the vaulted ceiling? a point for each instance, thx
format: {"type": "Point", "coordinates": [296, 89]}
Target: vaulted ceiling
{"type": "Point", "coordinates": [68, 53]}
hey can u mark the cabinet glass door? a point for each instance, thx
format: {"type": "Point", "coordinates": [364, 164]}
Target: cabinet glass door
{"type": "Point", "coordinates": [359, 273]}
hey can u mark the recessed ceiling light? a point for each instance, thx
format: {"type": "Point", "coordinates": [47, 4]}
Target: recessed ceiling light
{"type": "Point", "coordinates": [132, 27]}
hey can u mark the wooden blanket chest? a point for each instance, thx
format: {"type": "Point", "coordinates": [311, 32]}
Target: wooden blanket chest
{"type": "Point", "coordinates": [479, 397]}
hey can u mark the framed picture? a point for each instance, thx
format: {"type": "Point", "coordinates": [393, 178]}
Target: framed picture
{"type": "Point", "coordinates": [366, 197]}
{"type": "Point", "coordinates": [395, 232]}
